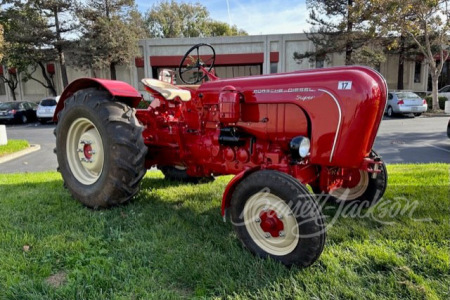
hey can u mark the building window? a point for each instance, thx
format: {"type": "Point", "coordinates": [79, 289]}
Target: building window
{"type": "Point", "coordinates": [320, 63]}
{"type": "Point", "coordinates": [273, 68]}
{"type": "Point", "coordinates": [417, 71]}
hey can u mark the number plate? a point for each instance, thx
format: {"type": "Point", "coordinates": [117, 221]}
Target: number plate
{"type": "Point", "coordinates": [345, 85]}
{"type": "Point", "coordinates": [415, 109]}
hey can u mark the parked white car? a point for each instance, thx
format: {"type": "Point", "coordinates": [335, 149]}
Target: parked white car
{"type": "Point", "coordinates": [46, 109]}
{"type": "Point", "coordinates": [445, 92]}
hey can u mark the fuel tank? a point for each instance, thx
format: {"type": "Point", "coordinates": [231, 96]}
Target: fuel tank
{"type": "Point", "coordinates": [343, 107]}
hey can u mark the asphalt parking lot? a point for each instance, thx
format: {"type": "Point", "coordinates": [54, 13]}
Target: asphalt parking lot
{"type": "Point", "coordinates": [399, 140]}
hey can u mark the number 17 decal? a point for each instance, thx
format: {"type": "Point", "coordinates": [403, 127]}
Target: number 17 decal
{"type": "Point", "coordinates": [344, 85]}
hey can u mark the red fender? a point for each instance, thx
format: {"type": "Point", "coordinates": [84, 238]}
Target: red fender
{"type": "Point", "coordinates": [231, 186]}
{"type": "Point", "coordinates": [114, 87]}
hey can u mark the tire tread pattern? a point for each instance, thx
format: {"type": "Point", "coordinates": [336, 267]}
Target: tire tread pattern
{"type": "Point", "coordinates": [124, 164]}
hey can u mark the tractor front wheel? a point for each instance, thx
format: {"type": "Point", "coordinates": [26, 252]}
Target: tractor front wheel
{"type": "Point", "coordinates": [274, 215]}
{"type": "Point", "coordinates": [363, 187]}
{"type": "Point", "coordinates": [100, 149]}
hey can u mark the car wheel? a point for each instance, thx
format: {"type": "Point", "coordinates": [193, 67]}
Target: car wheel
{"type": "Point", "coordinates": [100, 149]}
{"type": "Point", "coordinates": [23, 119]}
{"type": "Point", "coordinates": [275, 216]}
{"type": "Point", "coordinates": [390, 112]}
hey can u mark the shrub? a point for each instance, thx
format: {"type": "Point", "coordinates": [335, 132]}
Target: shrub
{"type": "Point", "coordinates": [441, 102]}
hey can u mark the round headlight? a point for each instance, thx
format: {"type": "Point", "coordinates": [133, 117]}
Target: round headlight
{"type": "Point", "coordinates": [305, 145]}
{"type": "Point", "coordinates": [300, 146]}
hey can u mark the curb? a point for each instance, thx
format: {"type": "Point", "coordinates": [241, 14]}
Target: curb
{"type": "Point", "coordinates": [20, 153]}
{"type": "Point", "coordinates": [434, 116]}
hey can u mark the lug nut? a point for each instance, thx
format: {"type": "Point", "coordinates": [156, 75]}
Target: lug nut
{"type": "Point", "coordinates": [257, 220]}
{"type": "Point", "coordinates": [268, 235]}
{"type": "Point", "coordinates": [282, 233]}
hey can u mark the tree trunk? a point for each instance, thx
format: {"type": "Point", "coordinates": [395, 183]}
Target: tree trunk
{"type": "Point", "coordinates": [112, 70]}
{"type": "Point", "coordinates": [401, 64]}
{"type": "Point", "coordinates": [448, 72]}
{"type": "Point", "coordinates": [13, 93]}
{"type": "Point", "coordinates": [12, 83]}
{"type": "Point", "coordinates": [50, 85]}
{"type": "Point", "coordinates": [349, 44]}
{"type": "Point", "coordinates": [62, 60]}
{"type": "Point", "coordinates": [434, 93]}
{"type": "Point", "coordinates": [62, 63]}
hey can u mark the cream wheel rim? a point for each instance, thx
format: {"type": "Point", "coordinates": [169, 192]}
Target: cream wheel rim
{"type": "Point", "coordinates": [348, 194]}
{"type": "Point", "coordinates": [288, 237]}
{"type": "Point", "coordinates": [84, 149]}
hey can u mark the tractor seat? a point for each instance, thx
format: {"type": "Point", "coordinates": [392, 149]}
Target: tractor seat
{"type": "Point", "coordinates": [167, 90]}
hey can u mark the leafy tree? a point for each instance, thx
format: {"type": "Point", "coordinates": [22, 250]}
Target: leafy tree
{"type": "Point", "coordinates": [427, 23]}
{"type": "Point", "coordinates": [59, 14]}
{"type": "Point", "coordinates": [340, 26]}
{"type": "Point", "coordinates": [171, 19]}
{"type": "Point", "coordinates": [36, 34]}
{"type": "Point", "coordinates": [27, 49]}
{"type": "Point", "coordinates": [111, 30]}
{"type": "Point", "coordinates": [218, 28]}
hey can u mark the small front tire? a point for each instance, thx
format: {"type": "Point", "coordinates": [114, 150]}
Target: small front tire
{"type": "Point", "coordinates": [362, 188]}
{"type": "Point", "coordinates": [275, 216]}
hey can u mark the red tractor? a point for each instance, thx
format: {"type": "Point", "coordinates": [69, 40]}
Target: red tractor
{"type": "Point", "coordinates": [276, 133]}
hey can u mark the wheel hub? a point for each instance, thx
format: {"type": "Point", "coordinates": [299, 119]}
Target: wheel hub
{"type": "Point", "coordinates": [270, 223]}
{"type": "Point", "coordinates": [85, 151]}
{"type": "Point", "coordinates": [353, 179]}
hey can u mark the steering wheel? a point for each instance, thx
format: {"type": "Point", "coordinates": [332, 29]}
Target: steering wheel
{"type": "Point", "coordinates": [195, 63]}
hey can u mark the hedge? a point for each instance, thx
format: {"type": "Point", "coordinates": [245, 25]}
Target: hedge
{"type": "Point", "coordinates": [441, 102]}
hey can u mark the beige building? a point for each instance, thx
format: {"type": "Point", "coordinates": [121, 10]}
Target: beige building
{"type": "Point", "coordinates": [235, 56]}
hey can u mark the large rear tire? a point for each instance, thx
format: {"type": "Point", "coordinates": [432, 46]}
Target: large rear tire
{"type": "Point", "coordinates": [274, 215]}
{"type": "Point", "coordinates": [100, 149]}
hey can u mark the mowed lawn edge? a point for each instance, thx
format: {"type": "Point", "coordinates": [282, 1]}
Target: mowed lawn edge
{"type": "Point", "coordinates": [13, 146]}
{"type": "Point", "coordinates": [170, 243]}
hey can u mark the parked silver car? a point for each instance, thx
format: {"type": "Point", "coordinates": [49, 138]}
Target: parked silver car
{"type": "Point", "coordinates": [405, 103]}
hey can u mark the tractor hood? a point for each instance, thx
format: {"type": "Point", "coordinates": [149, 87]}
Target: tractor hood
{"type": "Point", "coordinates": [344, 107]}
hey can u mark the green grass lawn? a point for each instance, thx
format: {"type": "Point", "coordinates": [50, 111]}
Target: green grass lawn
{"type": "Point", "coordinates": [171, 242]}
{"type": "Point", "coordinates": [13, 146]}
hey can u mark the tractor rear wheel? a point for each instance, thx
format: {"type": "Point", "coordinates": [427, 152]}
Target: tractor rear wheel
{"type": "Point", "coordinates": [274, 215]}
{"type": "Point", "coordinates": [178, 173]}
{"type": "Point", "coordinates": [100, 149]}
